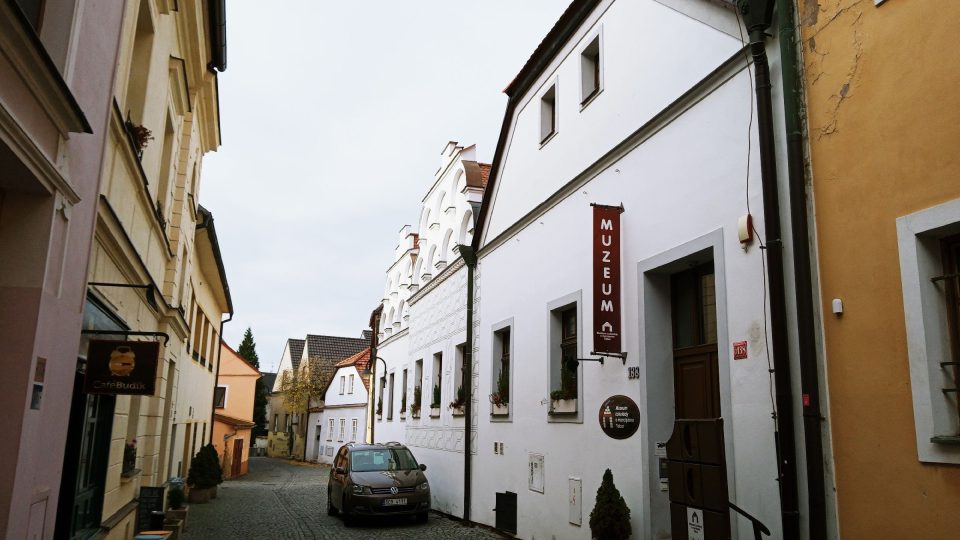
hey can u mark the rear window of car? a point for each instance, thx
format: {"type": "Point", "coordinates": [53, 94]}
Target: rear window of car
{"type": "Point", "coordinates": [382, 459]}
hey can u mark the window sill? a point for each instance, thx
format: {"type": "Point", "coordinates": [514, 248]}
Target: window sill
{"type": "Point", "coordinates": [548, 138]}
{"type": "Point", "coordinates": [563, 406]}
{"type": "Point", "coordinates": [949, 440]}
{"type": "Point", "coordinates": [500, 410]}
{"type": "Point", "coordinates": [589, 99]}
{"type": "Point", "coordinates": [457, 411]}
{"type": "Point", "coordinates": [435, 412]}
{"type": "Point", "coordinates": [129, 475]}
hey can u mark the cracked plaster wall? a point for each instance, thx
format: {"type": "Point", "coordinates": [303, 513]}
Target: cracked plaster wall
{"type": "Point", "coordinates": [883, 110]}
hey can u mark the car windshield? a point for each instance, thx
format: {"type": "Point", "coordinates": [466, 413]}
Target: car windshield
{"type": "Point", "coordinates": [382, 459]}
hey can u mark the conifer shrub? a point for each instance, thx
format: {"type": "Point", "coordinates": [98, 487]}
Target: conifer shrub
{"type": "Point", "coordinates": [610, 518]}
{"type": "Point", "coordinates": [205, 469]}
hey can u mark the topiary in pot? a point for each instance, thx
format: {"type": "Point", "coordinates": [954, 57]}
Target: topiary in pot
{"type": "Point", "coordinates": [610, 518]}
{"type": "Point", "coordinates": [205, 472]}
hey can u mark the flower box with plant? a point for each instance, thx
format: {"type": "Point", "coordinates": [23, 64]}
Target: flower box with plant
{"type": "Point", "coordinates": [403, 405]}
{"type": "Point", "coordinates": [129, 457]}
{"type": "Point", "coordinates": [380, 407]}
{"type": "Point", "coordinates": [415, 406]}
{"type": "Point", "coordinates": [140, 136]}
{"type": "Point", "coordinates": [564, 399]}
{"type": "Point", "coordinates": [501, 398]}
{"type": "Point", "coordinates": [435, 404]}
{"type": "Point", "coordinates": [457, 404]}
{"type": "Point", "coordinates": [610, 518]}
{"type": "Point", "coordinates": [205, 475]}
{"type": "Point", "coordinates": [176, 510]}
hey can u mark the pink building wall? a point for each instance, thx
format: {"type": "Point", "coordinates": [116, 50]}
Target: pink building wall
{"type": "Point", "coordinates": [44, 254]}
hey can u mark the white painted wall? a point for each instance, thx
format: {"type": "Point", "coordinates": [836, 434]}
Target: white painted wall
{"type": "Point", "coordinates": [347, 406]}
{"type": "Point", "coordinates": [683, 189]}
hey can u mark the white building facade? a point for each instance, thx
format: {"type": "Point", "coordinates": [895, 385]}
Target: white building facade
{"type": "Point", "coordinates": [606, 114]}
{"type": "Point", "coordinates": [342, 416]}
{"type": "Point", "coordinates": [423, 328]}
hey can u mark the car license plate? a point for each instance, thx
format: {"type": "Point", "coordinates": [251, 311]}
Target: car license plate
{"type": "Point", "coordinates": [394, 502]}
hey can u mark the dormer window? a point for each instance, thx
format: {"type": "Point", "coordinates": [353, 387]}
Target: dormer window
{"type": "Point", "coordinates": [548, 114]}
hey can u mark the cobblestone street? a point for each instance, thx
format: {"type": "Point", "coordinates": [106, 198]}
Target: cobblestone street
{"type": "Point", "coordinates": [287, 500]}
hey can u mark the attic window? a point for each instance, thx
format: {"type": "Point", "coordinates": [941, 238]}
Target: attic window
{"type": "Point", "coordinates": [548, 114]}
{"type": "Point", "coordinates": [590, 71]}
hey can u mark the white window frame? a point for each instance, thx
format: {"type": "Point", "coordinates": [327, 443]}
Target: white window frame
{"type": "Point", "coordinates": [350, 386]}
{"type": "Point", "coordinates": [330, 431]}
{"type": "Point", "coordinates": [554, 331]}
{"type": "Point", "coordinates": [928, 342]}
{"type": "Point", "coordinates": [343, 382]}
{"type": "Point", "coordinates": [554, 87]}
{"type": "Point", "coordinates": [225, 390]}
{"type": "Point", "coordinates": [343, 425]}
{"type": "Point", "coordinates": [353, 430]}
{"type": "Point", "coordinates": [587, 97]}
{"type": "Point", "coordinates": [496, 352]}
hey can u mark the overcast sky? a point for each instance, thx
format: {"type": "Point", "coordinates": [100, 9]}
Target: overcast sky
{"type": "Point", "coordinates": [333, 116]}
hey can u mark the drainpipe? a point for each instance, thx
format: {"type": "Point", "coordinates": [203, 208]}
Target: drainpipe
{"type": "Point", "coordinates": [806, 334]}
{"type": "Point", "coordinates": [372, 368]}
{"type": "Point", "coordinates": [758, 15]}
{"type": "Point", "coordinates": [470, 259]}
{"type": "Point", "coordinates": [216, 376]}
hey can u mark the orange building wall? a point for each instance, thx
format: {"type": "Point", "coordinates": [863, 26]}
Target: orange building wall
{"type": "Point", "coordinates": [883, 95]}
{"type": "Point", "coordinates": [240, 379]}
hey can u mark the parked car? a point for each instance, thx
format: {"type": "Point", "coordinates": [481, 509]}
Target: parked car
{"type": "Point", "coordinates": [377, 479]}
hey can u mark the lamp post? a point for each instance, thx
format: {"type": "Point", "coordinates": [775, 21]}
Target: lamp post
{"type": "Point", "coordinates": [373, 379]}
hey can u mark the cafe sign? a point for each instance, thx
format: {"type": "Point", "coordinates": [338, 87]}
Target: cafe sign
{"type": "Point", "coordinates": [122, 367]}
{"type": "Point", "coordinates": [619, 417]}
{"type": "Point", "coordinates": [606, 279]}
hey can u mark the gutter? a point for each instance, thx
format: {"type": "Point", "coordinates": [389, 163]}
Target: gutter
{"type": "Point", "coordinates": [758, 15]}
{"type": "Point", "coordinates": [806, 317]}
{"type": "Point", "coordinates": [218, 35]}
{"type": "Point", "coordinates": [470, 259]}
{"type": "Point", "coordinates": [216, 376]}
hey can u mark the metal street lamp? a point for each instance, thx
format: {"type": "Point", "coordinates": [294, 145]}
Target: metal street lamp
{"type": "Point", "coordinates": [373, 379]}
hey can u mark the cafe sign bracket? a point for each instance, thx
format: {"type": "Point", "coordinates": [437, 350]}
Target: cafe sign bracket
{"type": "Point", "coordinates": [164, 335]}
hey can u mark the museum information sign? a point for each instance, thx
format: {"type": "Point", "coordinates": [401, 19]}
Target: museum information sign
{"type": "Point", "coordinates": [619, 417]}
{"type": "Point", "coordinates": [606, 279]}
{"type": "Point", "coordinates": [122, 367]}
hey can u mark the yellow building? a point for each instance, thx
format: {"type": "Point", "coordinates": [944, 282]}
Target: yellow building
{"type": "Point", "coordinates": [881, 82]}
{"type": "Point", "coordinates": [155, 271]}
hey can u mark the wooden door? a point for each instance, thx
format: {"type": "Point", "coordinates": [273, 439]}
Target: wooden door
{"type": "Point", "coordinates": [696, 385]}
{"type": "Point", "coordinates": [237, 458]}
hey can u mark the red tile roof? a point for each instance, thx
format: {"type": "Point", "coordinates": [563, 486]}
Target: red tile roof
{"type": "Point", "coordinates": [361, 361]}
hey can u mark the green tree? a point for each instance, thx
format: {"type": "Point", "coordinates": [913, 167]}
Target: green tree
{"type": "Point", "coordinates": [248, 350]}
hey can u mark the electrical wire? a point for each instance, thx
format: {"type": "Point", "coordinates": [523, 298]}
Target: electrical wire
{"type": "Point", "coordinates": [763, 246]}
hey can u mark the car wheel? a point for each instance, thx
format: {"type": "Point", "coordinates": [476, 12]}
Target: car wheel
{"type": "Point", "coordinates": [331, 509]}
{"type": "Point", "coordinates": [422, 517]}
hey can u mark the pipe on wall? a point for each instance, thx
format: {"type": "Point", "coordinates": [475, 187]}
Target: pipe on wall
{"type": "Point", "coordinates": [470, 259]}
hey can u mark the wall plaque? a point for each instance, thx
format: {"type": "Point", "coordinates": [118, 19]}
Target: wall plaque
{"type": "Point", "coordinates": [619, 417]}
{"type": "Point", "coordinates": [122, 367]}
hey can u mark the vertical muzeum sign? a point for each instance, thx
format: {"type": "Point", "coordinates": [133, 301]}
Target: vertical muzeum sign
{"type": "Point", "coordinates": [606, 279]}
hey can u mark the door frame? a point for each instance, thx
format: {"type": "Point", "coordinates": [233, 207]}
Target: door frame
{"type": "Point", "coordinates": [656, 361]}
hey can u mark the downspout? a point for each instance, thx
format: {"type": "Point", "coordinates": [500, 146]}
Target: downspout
{"type": "Point", "coordinates": [758, 15]}
{"type": "Point", "coordinates": [216, 376]}
{"type": "Point", "coordinates": [372, 366]}
{"type": "Point", "coordinates": [470, 259]}
{"type": "Point", "coordinates": [799, 228]}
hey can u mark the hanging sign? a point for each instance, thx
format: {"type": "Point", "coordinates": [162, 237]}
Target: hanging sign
{"type": "Point", "coordinates": [619, 417]}
{"type": "Point", "coordinates": [122, 367]}
{"type": "Point", "coordinates": [606, 279]}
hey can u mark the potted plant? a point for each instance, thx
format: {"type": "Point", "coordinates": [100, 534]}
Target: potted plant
{"type": "Point", "coordinates": [176, 510]}
{"type": "Point", "coordinates": [415, 406]}
{"type": "Point", "coordinates": [457, 404]}
{"type": "Point", "coordinates": [610, 518]}
{"type": "Point", "coordinates": [564, 399]}
{"type": "Point", "coordinates": [435, 403]}
{"type": "Point", "coordinates": [380, 407]}
{"type": "Point", "coordinates": [403, 405]}
{"type": "Point", "coordinates": [205, 475]}
{"type": "Point", "coordinates": [140, 136]}
{"type": "Point", "coordinates": [129, 456]}
{"type": "Point", "coordinates": [501, 398]}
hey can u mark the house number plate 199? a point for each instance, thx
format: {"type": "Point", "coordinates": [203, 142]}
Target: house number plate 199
{"type": "Point", "coordinates": [633, 372]}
